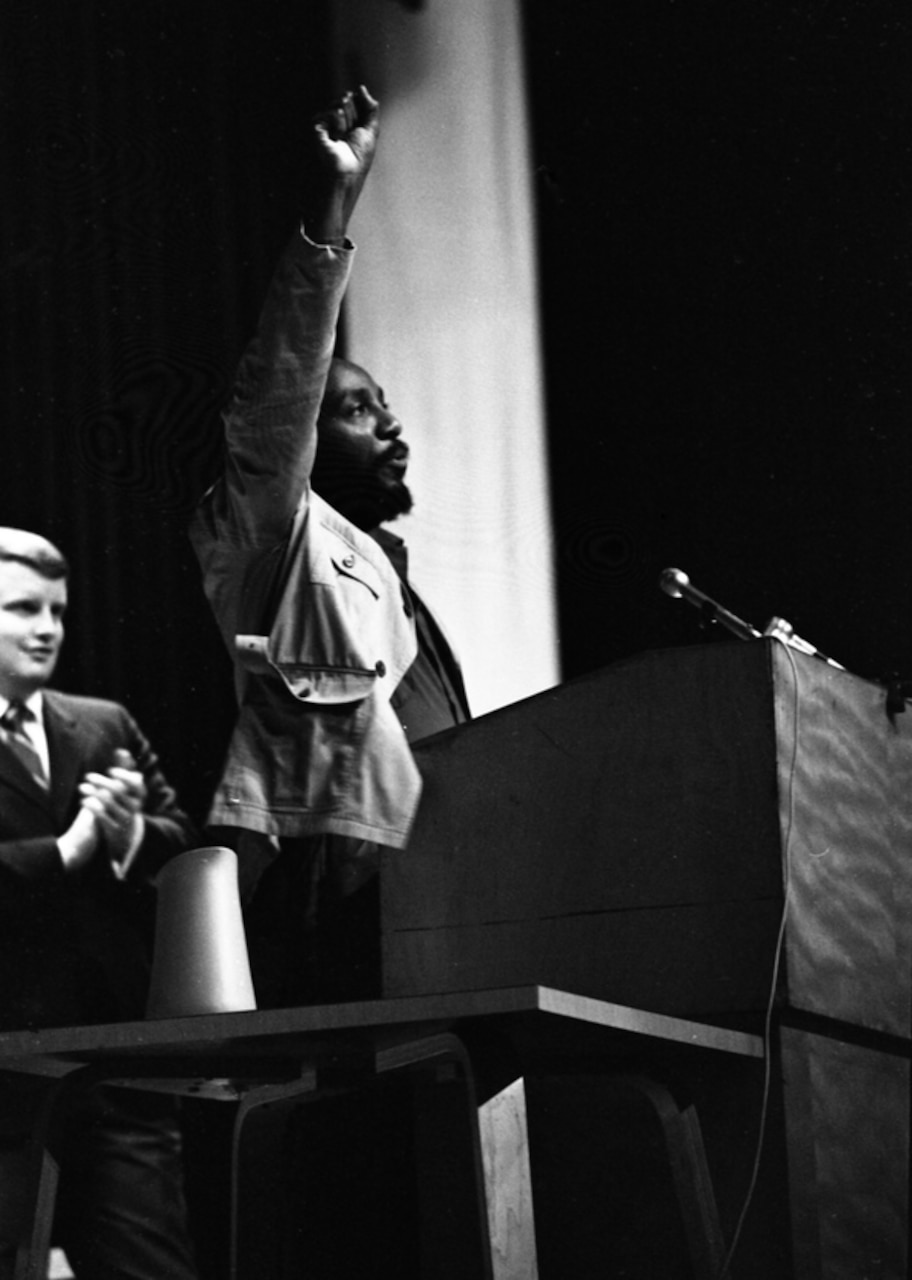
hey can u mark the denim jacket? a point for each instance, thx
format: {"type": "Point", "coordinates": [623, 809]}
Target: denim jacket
{"type": "Point", "coordinates": [309, 607]}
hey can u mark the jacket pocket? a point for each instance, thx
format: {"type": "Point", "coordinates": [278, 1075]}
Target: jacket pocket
{"type": "Point", "coordinates": [326, 685]}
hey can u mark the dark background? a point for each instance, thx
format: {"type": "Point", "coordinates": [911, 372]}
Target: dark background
{"type": "Point", "coordinates": [724, 211]}
{"type": "Point", "coordinates": [723, 207]}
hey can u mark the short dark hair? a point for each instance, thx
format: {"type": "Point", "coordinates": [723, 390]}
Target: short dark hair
{"type": "Point", "coordinates": [37, 554]}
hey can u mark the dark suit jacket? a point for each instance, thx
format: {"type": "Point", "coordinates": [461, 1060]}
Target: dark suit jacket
{"type": "Point", "coordinates": [75, 946]}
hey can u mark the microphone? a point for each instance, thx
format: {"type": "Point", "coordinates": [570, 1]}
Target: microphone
{"type": "Point", "coordinates": [675, 583]}
{"type": "Point", "coordinates": [784, 631]}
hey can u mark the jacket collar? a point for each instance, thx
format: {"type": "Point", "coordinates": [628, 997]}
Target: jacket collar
{"type": "Point", "coordinates": [395, 548]}
{"type": "Point", "coordinates": [64, 749]}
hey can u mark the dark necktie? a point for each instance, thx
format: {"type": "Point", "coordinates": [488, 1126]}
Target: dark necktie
{"type": "Point", "coordinates": [19, 742]}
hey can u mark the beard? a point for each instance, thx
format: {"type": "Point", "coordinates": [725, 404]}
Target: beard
{"type": "Point", "coordinates": [367, 499]}
{"type": "Point", "coordinates": [390, 496]}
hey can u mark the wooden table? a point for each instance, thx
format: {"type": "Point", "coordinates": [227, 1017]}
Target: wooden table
{"type": "Point", "coordinates": [476, 1055]}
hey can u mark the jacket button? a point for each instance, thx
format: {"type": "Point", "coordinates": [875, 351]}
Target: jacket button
{"type": "Point", "coordinates": [348, 562]}
{"type": "Point", "coordinates": [381, 669]}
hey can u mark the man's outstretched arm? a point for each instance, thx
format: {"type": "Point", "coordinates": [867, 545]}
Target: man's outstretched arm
{"type": "Point", "coordinates": [271, 415]}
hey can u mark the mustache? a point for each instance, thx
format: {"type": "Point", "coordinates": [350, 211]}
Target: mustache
{"type": "Point", "coordinates": [398, 452]}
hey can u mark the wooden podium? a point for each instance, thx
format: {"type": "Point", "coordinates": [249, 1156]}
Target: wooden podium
{"type": "Point", "coordinates": [707, 832]}
{"type": "Point", "coordinates": [630, 836]}
{"type": "Point", "coordinates": [645, 918]}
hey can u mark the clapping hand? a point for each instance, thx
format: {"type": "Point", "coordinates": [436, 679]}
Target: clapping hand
{"type": "Point", "coordinates": [116, 800]}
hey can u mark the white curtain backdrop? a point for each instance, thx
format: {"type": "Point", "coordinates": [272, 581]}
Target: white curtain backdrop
{"type": "Point", "coordinates": [443, 311]}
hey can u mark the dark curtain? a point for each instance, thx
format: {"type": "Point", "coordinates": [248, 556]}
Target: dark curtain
{"type": "Point", "coordinates": [726, 225]}
{"type": "Point", "coordinates": [149, 173]}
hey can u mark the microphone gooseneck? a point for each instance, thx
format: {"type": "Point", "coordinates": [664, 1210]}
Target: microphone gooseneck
{"type": "Point", "coordinates": [675, 583]}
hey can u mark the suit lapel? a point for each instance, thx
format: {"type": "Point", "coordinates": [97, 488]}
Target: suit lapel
{"type": "Point", "coordinates": [65, 748]}
{"type": "Point", "coordinates": [14, 774]}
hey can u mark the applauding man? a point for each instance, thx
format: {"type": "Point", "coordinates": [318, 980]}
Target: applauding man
{"type": "Point", "coordinates": [86, 819]}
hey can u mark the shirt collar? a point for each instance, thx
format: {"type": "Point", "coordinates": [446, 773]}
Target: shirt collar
{"type": "Point", "coordinates": [34, 702]}
{"type": "Point", "coordinates": [394, 547]}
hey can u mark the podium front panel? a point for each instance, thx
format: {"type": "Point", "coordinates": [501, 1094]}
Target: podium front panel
{"type": "Point", "coordinates": [629, 835]}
